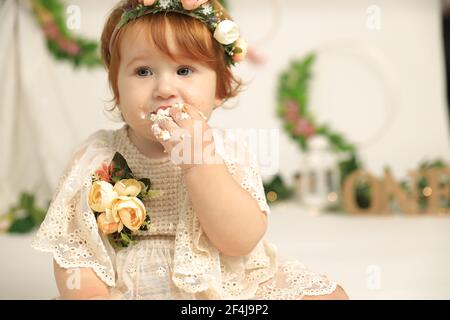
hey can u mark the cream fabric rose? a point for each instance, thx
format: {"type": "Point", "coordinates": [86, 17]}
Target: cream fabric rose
{"type": "Point", "coordinates": [226, 32]}
{"type": "Point", "coordinates": [101, 196]}
{"type": "Point", "coordinates": [131, 211]}
{"type": "Point", "coordinates": [128, 187]}
{"type": "Point", "coordinates": [241, 44]}
{"type": "Point", "coordinates": [107, 224]}
{"type": "Point", "coordinates": [192, 4]}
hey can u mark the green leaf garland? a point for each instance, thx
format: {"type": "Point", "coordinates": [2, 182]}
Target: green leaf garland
{"type": "Point", "coordinates": [292, 107]}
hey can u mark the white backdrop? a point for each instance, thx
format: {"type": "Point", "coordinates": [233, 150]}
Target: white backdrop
{"type": "Point", "coordinates": [366, 80]}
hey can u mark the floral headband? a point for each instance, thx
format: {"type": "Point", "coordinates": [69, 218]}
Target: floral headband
{"type": "Point", "coordinates": [225, 31]}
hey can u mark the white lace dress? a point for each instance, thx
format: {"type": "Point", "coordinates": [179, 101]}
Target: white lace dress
{"type": "Point", "coordinates": [174, 259]}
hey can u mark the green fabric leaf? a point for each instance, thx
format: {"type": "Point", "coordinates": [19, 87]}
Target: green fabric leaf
{"type": "Point", "coordinates": [147, 183]}
{"type": "Point", "coordinates": [121, 169]}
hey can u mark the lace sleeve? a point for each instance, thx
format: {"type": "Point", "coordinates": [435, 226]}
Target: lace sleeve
{"type": "Point", "coordinates": [69, 230]}
{"type": "Point", "coordinates": [243, 166]}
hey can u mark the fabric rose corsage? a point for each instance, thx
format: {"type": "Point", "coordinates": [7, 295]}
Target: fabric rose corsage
{"type": "Point", "coordinates": [116, 197]}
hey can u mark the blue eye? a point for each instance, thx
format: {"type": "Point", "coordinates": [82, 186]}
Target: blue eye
{"type": "Point", "coordinates": [184, 71]}
{"type": "Point", "coordinates": [143, 72]}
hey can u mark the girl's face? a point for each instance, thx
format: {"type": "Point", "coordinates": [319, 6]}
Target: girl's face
{"type": "Point", "coordinates": [148, 79]}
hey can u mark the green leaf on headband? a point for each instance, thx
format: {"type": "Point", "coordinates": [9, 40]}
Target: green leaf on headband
{"type": "Point", "coordinates": [224, 3]}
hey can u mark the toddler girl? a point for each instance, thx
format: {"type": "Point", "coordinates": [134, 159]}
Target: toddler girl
{"type": "Point", "coordinates": [148, 211]}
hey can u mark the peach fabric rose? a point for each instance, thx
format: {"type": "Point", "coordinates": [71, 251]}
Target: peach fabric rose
{"type": "Point", "coordinates": [128, 187]}
{"type": "Point", "coordinates": [107, 224]}
{"type": "Point", "coordinates": [131, 212]}
{"type": "Point", "coordinates": [192, 4]}
{"type": "Point", "coordinates": [241, 44]}
{"type": "Point", "coordinates": [148, 2]}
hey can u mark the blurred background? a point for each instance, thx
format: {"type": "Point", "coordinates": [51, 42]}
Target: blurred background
{"type": "Point", "coordinates": [348, 89]}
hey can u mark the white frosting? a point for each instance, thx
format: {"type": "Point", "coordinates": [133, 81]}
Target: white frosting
{"type": "Point", "coordinates": [163, 114]}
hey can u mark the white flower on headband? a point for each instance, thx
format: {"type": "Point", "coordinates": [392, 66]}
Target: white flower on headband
{"type": "Point", "coordinates": [164, 3]}
{"type": "Point", "coordinates": [207, 9]}
{"type": "Point", "coordinates": [226, 32]}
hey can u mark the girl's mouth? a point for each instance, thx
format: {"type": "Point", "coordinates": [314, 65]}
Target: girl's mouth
{"type": "Point", "coordinates": [160, 108]}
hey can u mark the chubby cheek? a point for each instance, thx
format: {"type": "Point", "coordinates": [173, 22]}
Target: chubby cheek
{"type": "Point", "coordinates": [202, 101]}
{"type": "Point", "coordinates": [208, 95]}
{"type": "Point", "coordinates": [133, 102]}
{"type": "Point", "coordinates": [132, 95]}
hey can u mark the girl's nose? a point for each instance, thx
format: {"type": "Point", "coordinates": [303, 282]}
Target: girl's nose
{"type": "Point", "coordinates": [164, 88]}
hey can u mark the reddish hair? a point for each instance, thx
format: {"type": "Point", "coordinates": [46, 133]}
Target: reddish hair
{"type": "Point", "coordinates": [192, 37]}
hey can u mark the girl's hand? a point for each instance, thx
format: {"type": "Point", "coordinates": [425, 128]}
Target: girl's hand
{"type": "Point", "coordinates": [191, 142]}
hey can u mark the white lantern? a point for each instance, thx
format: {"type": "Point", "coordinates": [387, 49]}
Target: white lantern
{"type": "Point", "coordinates": [320, 175]}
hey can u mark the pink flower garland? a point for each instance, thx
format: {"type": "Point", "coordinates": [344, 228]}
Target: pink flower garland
{"type": "Point", "coordinates": [53, 33]}
{"type": "Point", "coordinates": [302, 126]}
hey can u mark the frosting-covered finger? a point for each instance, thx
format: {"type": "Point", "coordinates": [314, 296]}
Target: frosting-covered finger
{"type": "Point", "coordinates": [159, 133]}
